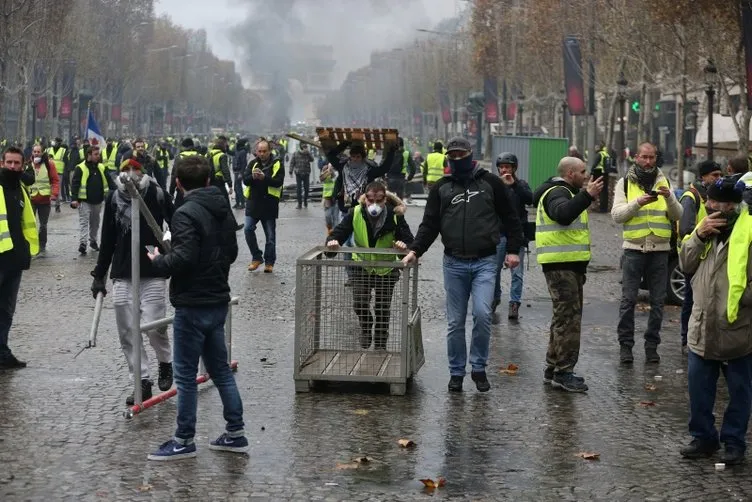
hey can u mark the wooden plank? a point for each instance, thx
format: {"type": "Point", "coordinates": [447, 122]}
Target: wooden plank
{"type": "Point", "coordinates": [343, 364]}
{"type": "Point", "coordinates": [392, 368]}
{"type": "Point", "coordinates": [317, 362]}
{"type": "Point", "coordinates": [371, 363]}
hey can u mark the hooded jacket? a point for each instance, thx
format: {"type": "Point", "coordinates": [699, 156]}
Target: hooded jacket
{"type": "Point", "coordinates": [564, 209]}
{"type": "Point", "coordinates": [394, 207]}
{"type": "Point", "coordinates": [204, 245]}
{"type": "Point", "coordinates": [115, 248]}
{"type": "Point", "coordinates": [470, 214]}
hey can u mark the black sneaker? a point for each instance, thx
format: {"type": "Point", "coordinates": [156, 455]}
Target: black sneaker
{"type": "Point", "coordinates": [93, 245]}
{"type": "Point", "coordinates": [651, 355]}
{"type": "Point", "coordinates": [732, 456]}
{"type": "Point", "coordinates": [700, 449]}
{"type": "Point", "coordinates": [165, 376]}
{"type": "Point", "coordinates": [568, 382]}
{"type": "Point", "coordinates": [145, 393]}
{"type": "Point", "coordinates": [82, 249]}
{"type": "Point", "coordinates": [11, 363]}
{"type": "Point", "coordinates": [625, 355]}
{"type": "Point", "coordinates": [455, 383]}
{"type": "Point", "coordinates": [548, 375]}
{"type": "Point", "coordinates": [365, 340]}
{"type": "Point", "coordinates": [481, 381]}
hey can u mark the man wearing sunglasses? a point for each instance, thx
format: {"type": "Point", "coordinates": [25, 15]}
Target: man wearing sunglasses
{"type": "Point", "coordinates": [471, 208]}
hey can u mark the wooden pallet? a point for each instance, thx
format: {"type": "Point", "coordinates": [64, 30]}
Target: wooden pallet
{"type": "Point", "coordinates": [372, 139]}
{"type": "Point", "coordinates": [355, 365]}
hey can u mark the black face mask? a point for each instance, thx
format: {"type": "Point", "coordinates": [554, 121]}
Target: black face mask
{"type": "Point", "coordinates": [462, 167]}
{"type": "Point", "coordinates": [10, 177]}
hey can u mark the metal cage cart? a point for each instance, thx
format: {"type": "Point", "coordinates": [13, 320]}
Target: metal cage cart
{"type": "Point", "coordinates": [356, 321]}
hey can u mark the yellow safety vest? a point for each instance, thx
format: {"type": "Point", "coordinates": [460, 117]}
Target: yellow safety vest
{"type": "Point", "coordinates": [360, 237]}
{"type": "Point", "coordinates": [273, 191]}
{"type": "Point", "coordinates": [650, 219]}
{"type": "Point", "coordinates": [602, 162]}
{"type": "Point", "coordinates": [327, 187]}
{"type": "Point", "coordinates": [41, 184]}
{"type": "Point", "coordinates": [556, 243]}
{"type": "Point", "coordinates": [82, 195]}
{"type": "Point", "coordinates": [57, 156]}
{"type": "Point", "coordinates": [435, 163]}
{"type": "Point", "coordinates": [215, 155]}
{"type": "Point", "coordinates": [109, 161]}
{"type": "Point", "coordinates": [163, 158]}
{"type": "Point", "coordinates": [28, 225]}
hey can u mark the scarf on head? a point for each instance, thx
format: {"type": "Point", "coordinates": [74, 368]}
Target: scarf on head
{"type": "Point", "coordinates": [122, 200]}
{"type": "Point", "coordinates": [645, 179]}
{"type": "Point", "coordinates": [356, 177]}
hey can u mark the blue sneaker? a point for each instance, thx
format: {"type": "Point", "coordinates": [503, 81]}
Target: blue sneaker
{"type": "Point", "coordinates": [227, 443]}
{"type": "Point", "coordinates": [172, 450]}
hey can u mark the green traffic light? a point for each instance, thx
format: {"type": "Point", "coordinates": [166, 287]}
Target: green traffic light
{"type": "Point", "coordinates": [636, 106]}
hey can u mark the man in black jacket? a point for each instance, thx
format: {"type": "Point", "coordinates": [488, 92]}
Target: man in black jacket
{"type": "Point", "coordinates": [470, 208]}
{"type": "Point", "coordinates": [506, 163]}
{"type": "Point", "coordinates": [18, 243]}
{"type": "Point", "coordinates": [239, 162]}
{"type": "Point", "coordinates": [402, 166]}
{"type": "Point", "coordinates": [88, 189]}
{"type": "Point", "coordinates": [115, 250]}
{"type": "Point", "coordinates": [263, 178]}
{"type": "Point", "coordinates": [204, 246]}
{"type": "Point", "coordinates": [562, 241]}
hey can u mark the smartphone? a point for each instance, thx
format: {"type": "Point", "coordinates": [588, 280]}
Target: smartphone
{"type": "Point", "coordinates": [653, 193]}
{"type": "Point", "coordinates": [150, 249]}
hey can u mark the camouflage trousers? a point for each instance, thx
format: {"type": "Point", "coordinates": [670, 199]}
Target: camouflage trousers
{"type": "Point", "coordinates": [565, 287]}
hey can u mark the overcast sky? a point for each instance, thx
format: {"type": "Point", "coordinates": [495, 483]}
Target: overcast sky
{"type": "Point", "coordinates": [218, 17]}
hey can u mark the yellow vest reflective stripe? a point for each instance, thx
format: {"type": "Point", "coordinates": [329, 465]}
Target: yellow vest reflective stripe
{"type": "Point", "coordinates": [82, 195]}
{"type": "Point", "coordinates": [435, 163]}
{"type": "Point", "coordinates": [215, 155]}
{"type": "Point", "coordinates": [273, 191]}
{"type": "Point", "coordinates": [555, 243]}
{"type": "Point", "coordinates": [163, 159]}
{"type": "Point", "coordinates": [109, 161]}
{"type": "Point", "coordinates": [28, 225]}
{"type": "Point", "coordinates": [602, 161]}
{"type": "Point", "coordinates": [650, 219]}
{"type": "Point", "coordinates": [360, 237]}
{"type": "Point", "coordinates": [328, 187]}
{"type": "Point", "coordinates": [41, 184]}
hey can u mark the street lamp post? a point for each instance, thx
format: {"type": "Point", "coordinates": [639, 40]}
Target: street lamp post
{"type": "Point", "coordinates": [520, 99]}
{"type": "Point", "coordinates": [710, 74]}
{"type": "Point", "coordinates": [621, 85]}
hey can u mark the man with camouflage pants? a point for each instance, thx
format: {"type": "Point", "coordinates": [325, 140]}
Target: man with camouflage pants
{"type": "Point", "coordinates": [562, 242]}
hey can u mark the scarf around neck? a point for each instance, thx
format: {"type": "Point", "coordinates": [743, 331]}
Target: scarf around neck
{"type": "Point", "coordinates": [122, 201]}
{"type": "Point", "coordinates": [356, 177]}
{"type": "Point", "coordinates": [645, 179]}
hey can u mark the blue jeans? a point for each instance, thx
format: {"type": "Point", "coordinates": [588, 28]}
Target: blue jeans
{"type": "Point", "coordinates": [518, 273]}
{"type": "Point", "coordinates": [463, 278]}
{"type": "Point", "coordinates": [200, 332]}
{"type": "Point", "coordinates": [686, 311]}
{"type": "Point", "coordinates": [10, 283]}
{"type": "Point", "coordinates": [270, 233]}
{"type": "Point", "coordinates": [702, 377]}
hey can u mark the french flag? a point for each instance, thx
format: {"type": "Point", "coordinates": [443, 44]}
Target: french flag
{"type": "Point", "coordinates": [92, 131]}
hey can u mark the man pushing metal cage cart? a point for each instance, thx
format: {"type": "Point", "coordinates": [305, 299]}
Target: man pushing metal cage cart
{"type": "Point", "coordinates": [335, 325]}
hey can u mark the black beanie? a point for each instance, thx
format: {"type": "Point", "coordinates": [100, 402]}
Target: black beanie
{"type": "Point", "coordinates": [707, 167]}
{"type": "Point", "coordinates": [187, 143]}
{"type": "Point", "coordinates": [728, 189]}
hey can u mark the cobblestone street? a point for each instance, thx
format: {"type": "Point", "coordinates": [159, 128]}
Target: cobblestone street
{"type": "Point", "coordinates": [64, 436]}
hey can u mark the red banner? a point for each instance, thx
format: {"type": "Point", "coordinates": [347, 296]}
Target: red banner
{"type": "Point", "coordinates": [573, 80]}
{"type": "Point", "coordinates": [42, 107]}
{"type": "Point", "coordinates": [66, 107]}
{"type": "Point", "coordinates": [511, 110]}
{"type": "Point", "coordinates": [491, 95]}
{"type": "Point", "coordinates": [116, 112]}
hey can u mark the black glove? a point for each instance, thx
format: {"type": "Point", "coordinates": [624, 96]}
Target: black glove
{"type": "Point", "coordinates": [98, 286]}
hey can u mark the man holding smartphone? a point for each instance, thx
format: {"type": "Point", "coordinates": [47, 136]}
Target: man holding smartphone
{"type": "Point", "coordinates": [115, 253]}
{"type": "Point", "coordinates": [646, 207]}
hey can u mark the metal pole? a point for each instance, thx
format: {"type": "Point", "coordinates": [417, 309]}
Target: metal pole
{"type": "Point", "coordinates": [564, 119]}
{"type": "Point", "coordinates": [623, 132]}
{"type": "Point", "coordinates": [33, 120]}
{"type": "Point", "coordinates": [711, 94]}
{"type": "Point", "coordinates": [136, 296]}
{"type": "Point", "coordinates": [479, 129]}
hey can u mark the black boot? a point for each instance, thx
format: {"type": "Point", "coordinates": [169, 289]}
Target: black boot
{"type": "Point", "coordinates": [82, 249]}
{"type": "Point", "coordinates": [700, 449]}
{"type": "Point", "coordinates": [379, 341]}
{"type": "Point", "coordinates": [625, 355]}
{"type": "Point", "coordinates": [145, 393]}
{"type": "Point", "coordinates": [165, 376]}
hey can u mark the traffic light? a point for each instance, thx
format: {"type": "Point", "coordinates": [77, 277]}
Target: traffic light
{"type": "Point", "coordinates": [635, 106]}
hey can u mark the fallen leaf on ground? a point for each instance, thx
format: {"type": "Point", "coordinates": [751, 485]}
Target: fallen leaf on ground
{"type": "Point", "coordinates": [647, 404]}
{"type": "Point", "coordinates": [432, 485]}
{"type": "Point", "coordinates": [406, 443]}
{"type": "Point", "coordinates": [643, 307]}
{"type": "Point", "coordinates": [511, 369]}
{"type": "Point", "coordinates": [360, 412]}
{"type": "Point", "coordinates": [145, 488]}
{"type": "Point", "coordinates": [650, 387]}
{"type": "Point", "coordinates": [589, 455]}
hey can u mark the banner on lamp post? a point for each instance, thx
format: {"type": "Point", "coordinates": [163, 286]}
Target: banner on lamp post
{"type": "Point", "coordinates": [491, 96]}
{"type": "Point", "coordinates": [747, 35]}
{"type": "Point", "coordinates": [67, 85]}
{"type": "Point", "coordinates": [446, 108]}
{"type": "Point", "coordinates": [573, 80]}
